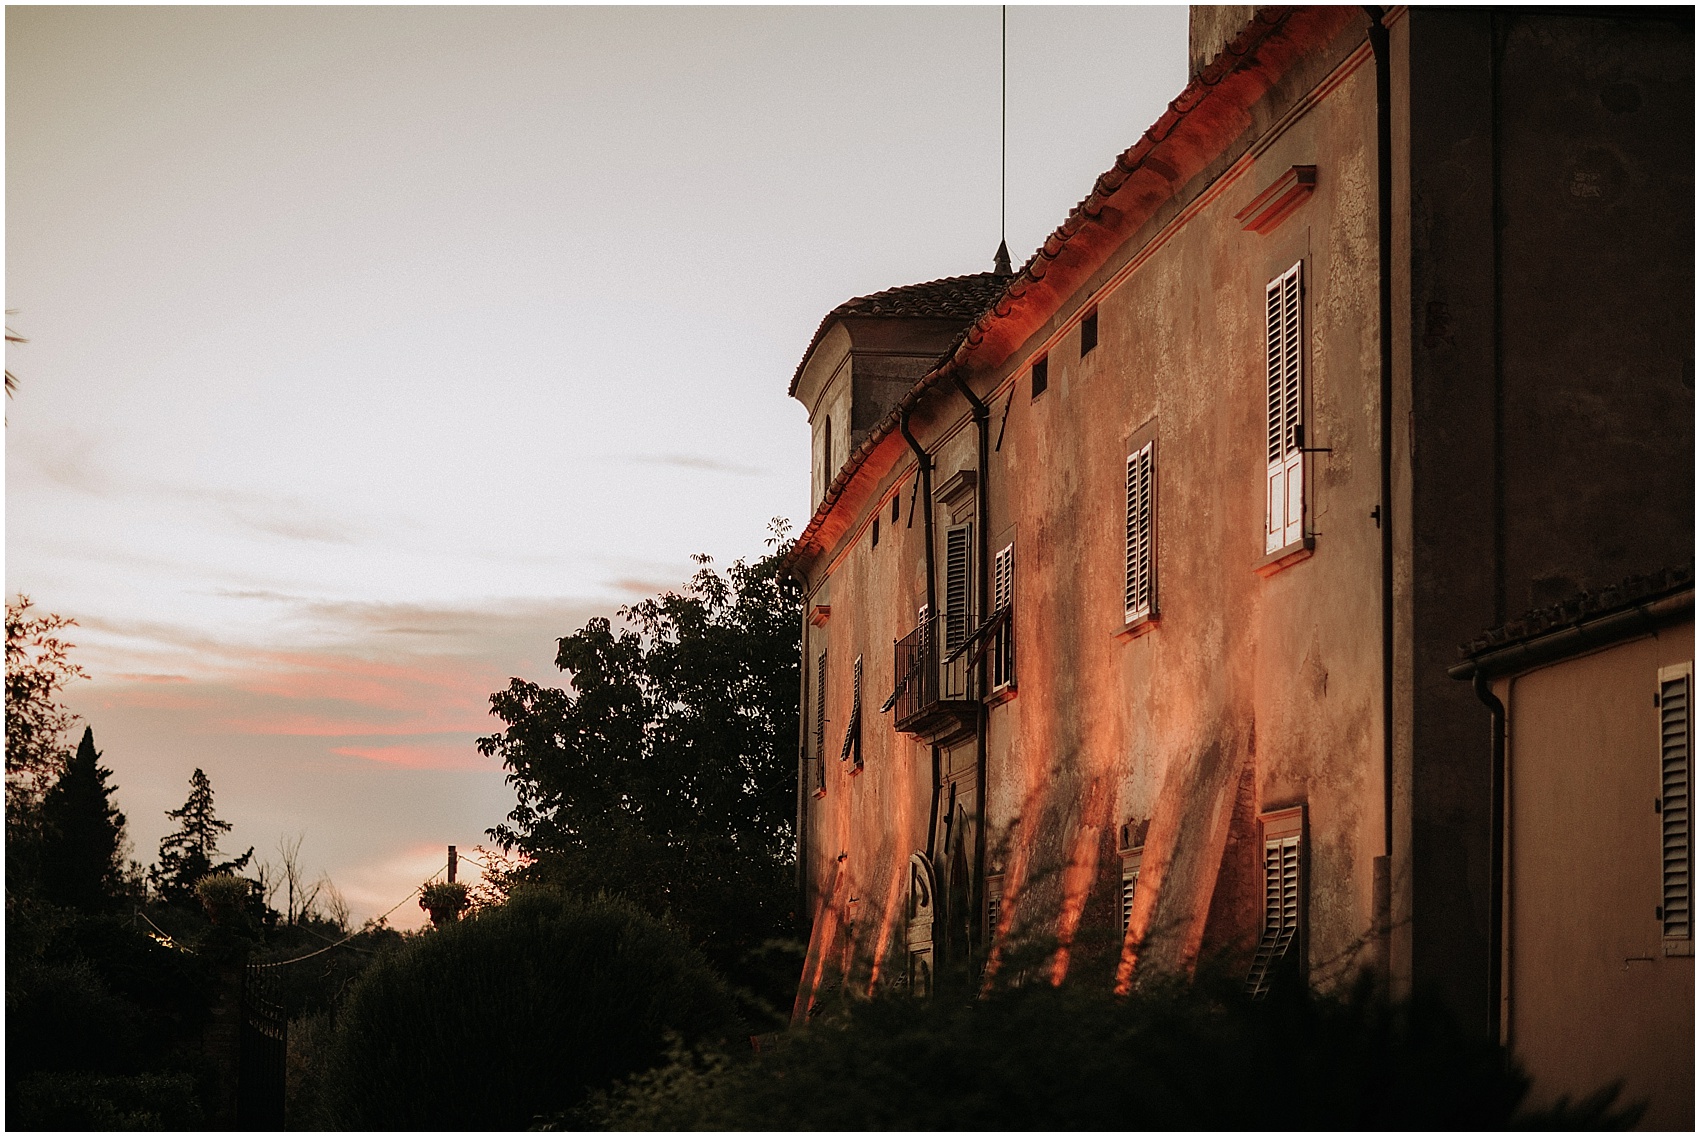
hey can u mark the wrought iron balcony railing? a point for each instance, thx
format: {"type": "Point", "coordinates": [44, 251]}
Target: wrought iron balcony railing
{"type": "Point", "coordinates": [937, 667]}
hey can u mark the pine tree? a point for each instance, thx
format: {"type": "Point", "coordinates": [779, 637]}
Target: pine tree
{"type": "Point", "coordinates": [192, 852]}
{"type": "Point", "coordinates": [82, 862]}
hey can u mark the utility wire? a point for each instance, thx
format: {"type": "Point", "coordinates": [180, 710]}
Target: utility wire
{"type": "Point", "coordinates": [356, 932]}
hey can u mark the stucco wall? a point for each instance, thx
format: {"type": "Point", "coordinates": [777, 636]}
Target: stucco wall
{"type": "Point", "coordinates": [1591, 998]}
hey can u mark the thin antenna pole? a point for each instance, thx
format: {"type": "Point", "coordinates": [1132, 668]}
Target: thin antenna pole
{"type": "Point", "coordinates": [1003, 142]}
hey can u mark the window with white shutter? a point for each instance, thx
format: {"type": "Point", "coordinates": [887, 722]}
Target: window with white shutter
{"type": "Point", "coordinates": [1131, 859]}
{"type": "Point", "coordinates": [1003, 598]}
{"type": "Point", "coordinates": [1676, 814]}
{"type": "Point", "coordinates": [1283, 897]}
{"type": "Point", "coordinates": [1139, 590]}
{"type": "Point", "coordinates": [958, 580]}
{"type": "Point", "coordinates": [1284, 491]}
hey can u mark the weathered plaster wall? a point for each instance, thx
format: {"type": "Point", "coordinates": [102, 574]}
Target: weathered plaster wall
{"type": "Point", "coordinates": [1544, 381]}
{"type": "Point", "coordinates": [1591, 996]}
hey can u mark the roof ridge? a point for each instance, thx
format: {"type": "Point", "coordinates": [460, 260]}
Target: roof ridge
{"type": "Point", "coordinates": [991, 281]}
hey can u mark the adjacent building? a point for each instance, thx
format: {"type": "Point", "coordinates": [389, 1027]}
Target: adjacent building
{"type": "Point", "coordinates": [1136, 575]}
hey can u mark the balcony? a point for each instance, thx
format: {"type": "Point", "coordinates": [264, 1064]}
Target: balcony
{"type": "Point", "coordinates": [938, 673]}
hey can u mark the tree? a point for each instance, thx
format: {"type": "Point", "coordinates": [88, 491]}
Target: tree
{"type": "Point", "coordinates": [192, 852]}
{"type": "Point", "coordinates": [38, 668]}
{"type": "Point", "coordinates": [82, 850]}
{"type": "Point", "coordinates": [668, 773]}
{"type": "Point", "coordinates": [490, 1021]}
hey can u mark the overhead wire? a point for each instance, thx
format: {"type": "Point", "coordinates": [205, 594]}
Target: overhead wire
{"type": "Point", "coordinates": [370, 923]}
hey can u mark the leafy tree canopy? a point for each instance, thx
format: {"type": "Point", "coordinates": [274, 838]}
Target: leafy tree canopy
{"type": "Point", "coordinates": [192, 851]}
{"type": "Point", "coordinates": [668, 772]}
{"type": "Point", "coordinates": [82, 863]}
{"type": "Point", "coordinates": [38, 668]}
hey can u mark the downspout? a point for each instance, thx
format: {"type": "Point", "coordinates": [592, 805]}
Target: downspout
{"type": "Point", "coordinates": [802, 831]}
{"type": "Point", "coordinates": [982, 498]}
{"type": "Point", "coordinates": [1496, 854]}
{"type": "Point", "coordinates": [1383, 872]}
{"type": "Point", "coordinates": [925, 464]}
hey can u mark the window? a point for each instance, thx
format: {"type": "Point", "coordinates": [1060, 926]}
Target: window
{"type": "Point", "coordinates": [1284, 490]}
{"type": "Point", "coordinates": [853, 732]}
{"type": "Point", "coordinates": [1089, 332]}
{"type": "Point", "coordinates": [1131, 859]}
{"type": "Point", "coordinates": [1139, 590]}
{"type": "Point", "coordinates": [1676, 773]}
{"type": "Point", "coordinates": [896, 506]}
{"type": "Point", "coordinates": [1283, 897]}
{"type": "Point", "coordinates": [876, 532]}
{"type": "Point", "coordinates": [958, 579]}
{"type": "Point", "coordinates": [994, 906]}
{"type": "Point", "coordinates": [1003, 601]}
{"type": "Point", "coordinates": [1041, 375]}
{"type": "Point", "coordinates": [820, 726]}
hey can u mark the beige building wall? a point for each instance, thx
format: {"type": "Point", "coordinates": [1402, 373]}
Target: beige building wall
{"type": "Point", "coordinates": [1591, 996]}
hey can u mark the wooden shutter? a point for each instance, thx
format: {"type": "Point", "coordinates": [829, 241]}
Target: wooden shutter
{"type": "Point", "coordinates": [1003, 595]}
{"type": "Point", "coordinates": [853, 732]}
{"type": "Point", "coordinates": [1676, 772]}
{"type": "Point", "coordinates": [1141, 503]}
{"type": "Point", "coordinates": [1130, 882]}
{"type": "Point", "coordinates": [958, 578]}
{"type": "Point", "coordinates": [1284, 347]}
{"type": "Point", "coordinates": [1283, 896]}
{"type": "Point", "coordinates": [820, 725]}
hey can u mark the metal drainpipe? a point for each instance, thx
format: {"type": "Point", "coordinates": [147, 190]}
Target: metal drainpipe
{"type": "Point", "coordinates": [1496, 854]}
{"type": "Point", "coordinates": [925, 465]}
{"type": "Point", "coordinates": [982, 499]}
{"type": "Point", "coordinates": [1378, 39]}
{"type": "Point", "coordinates": [802, 882]}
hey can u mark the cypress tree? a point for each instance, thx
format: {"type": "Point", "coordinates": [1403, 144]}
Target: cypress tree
{"type": "Point", "coordinates": [192, 852]}
{"type": "Point", "coordinates": [82, 851]}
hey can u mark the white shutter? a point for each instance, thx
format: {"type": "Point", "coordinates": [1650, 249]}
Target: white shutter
{"type": "Point", "coordinates": [1283, 896]}
{"type": "Point", "coordinates": [958, 576]}
{"type": "Point", "coordinates": [1136, 590]}
{"type": "Point", "coordinates": [1284, 405]}
{"type": "Point", "coordinates": [1003, 578]}
{"type": "Point", "coordinates": [1676, 772]}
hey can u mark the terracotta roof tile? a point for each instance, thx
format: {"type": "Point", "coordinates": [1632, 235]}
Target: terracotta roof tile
{"type": "Point", "coordinates": [950, 298]}
{"type": "Point", "coordinates": [1583, 606]}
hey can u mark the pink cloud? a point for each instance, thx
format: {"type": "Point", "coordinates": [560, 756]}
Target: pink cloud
{"type": "Point", "coordinates": [417, 756]}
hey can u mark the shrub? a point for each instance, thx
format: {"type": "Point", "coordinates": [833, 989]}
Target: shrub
{"type": "Point", "coordinates": [223, 894]}
{"type": "Point", "coordinates": [103, 1101]}
{"type": "Point", "coordinates": [1176, 1057]}
{"type": "Point", "coordinates": [516, 1012]}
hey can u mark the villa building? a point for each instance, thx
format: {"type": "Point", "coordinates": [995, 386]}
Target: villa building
{"type": "Point", "coordinates": [1138, 576]}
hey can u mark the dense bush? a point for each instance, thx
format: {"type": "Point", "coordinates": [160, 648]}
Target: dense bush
{"type": "Point", "coordinates": [103, 1101]}
{"type": "Point", "coordinates": [515, 1013]}
{"type": "Point", "coordinates": [1199, 1057]}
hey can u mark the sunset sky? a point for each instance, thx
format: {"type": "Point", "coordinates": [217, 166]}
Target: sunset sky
{"type": "Point", "coordinates": [371, 349]}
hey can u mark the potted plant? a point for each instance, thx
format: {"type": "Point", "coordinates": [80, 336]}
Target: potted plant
{"type": "Point", "coordinates": [445, 902]}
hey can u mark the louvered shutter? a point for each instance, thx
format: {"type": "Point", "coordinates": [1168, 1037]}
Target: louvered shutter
{"type": "Point", "coordinates": [1284, 354]}
{"type": "Point", "coordinates": [1136, 578]}
{"type": "Point", "coordinates": [958, 547]}
{"type": "Point", "coordinates": [1676, 772]}
{"type": "Point", "coordinates": [1003, 578]}
{"type": "Point", "coordinates": [853, 732]}
{"type": "Point", "coordinates": [1003, 595]}
{"type": "Point", "coordinates": [1283, 897]}
{"type": "Point", "coordinates": [1130, 880]}
{"type": "Point", "coordinates": [820, 725]}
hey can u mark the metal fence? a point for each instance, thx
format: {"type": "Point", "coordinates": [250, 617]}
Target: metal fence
{"type": "Point", "coordinates": [264, 1050]}
{"type": "Point", "coordinates": [928, 677]}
